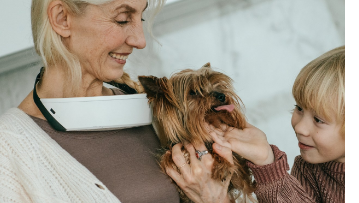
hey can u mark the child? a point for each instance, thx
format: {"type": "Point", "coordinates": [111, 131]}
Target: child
{"type": "Point", "coordinates": [318, 174]}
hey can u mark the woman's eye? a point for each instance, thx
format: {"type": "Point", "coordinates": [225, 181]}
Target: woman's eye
{"type": "Point", "coordinates": [123, 22]}
{"type": "Point", "coordinates": [126, 22]}
{"type": "Point", "coordinates": [317, 120]}
{"type": "Point", "coordinates": [298, 108]}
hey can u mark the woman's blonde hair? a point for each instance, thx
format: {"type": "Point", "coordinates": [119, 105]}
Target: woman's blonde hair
{"type": "Point", "coordinates": [320, 86]}
{"type": "Point", "coordinates": [49, 46]}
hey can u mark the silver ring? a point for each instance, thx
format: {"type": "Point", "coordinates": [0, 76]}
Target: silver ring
{"type": "Point", "coordinates": [199, 154]}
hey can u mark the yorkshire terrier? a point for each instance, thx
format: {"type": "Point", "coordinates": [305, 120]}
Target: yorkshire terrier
{"type": "Point", "coordinates": [183, 104]}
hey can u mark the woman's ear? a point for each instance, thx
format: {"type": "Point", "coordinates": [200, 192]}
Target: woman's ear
{"type": "Point", "coordinates": [59, 18]}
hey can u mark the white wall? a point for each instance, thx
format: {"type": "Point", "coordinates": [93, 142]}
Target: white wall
{"type": "Point", "coordinates": [261, 44]}
{"type": "Point", "coordinates": [15, 26]}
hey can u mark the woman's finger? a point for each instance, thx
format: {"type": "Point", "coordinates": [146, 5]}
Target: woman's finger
{"type": "Point", "coordinates": [192, 154]}
{"type": "Point", "coordinates": [204, 163]}
{"type": "Point", "coordinates": [206, 158]}
{"type": "Point", "coordinates": [179, 160]}
{"type": "Point", "coordinates": [175, 176]}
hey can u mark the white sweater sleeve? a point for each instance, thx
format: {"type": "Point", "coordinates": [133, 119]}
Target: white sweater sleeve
{"type": "Point", "coordinates": [34, 168]}
{"type": "Point", "coordinates": [11, 189]}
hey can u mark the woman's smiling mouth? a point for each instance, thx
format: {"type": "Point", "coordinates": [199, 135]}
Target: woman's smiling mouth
{"type": "Point", "coordinates": [119, 58]}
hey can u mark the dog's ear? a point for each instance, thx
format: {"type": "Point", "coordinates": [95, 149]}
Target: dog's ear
{"type": "Point", "coordinates": [207, 65]}
{"type": "Point", "coordinates": [153, 85]}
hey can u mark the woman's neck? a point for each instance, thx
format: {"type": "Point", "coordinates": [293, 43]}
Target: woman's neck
{"type": "Point", "coordinates": [55, 83]}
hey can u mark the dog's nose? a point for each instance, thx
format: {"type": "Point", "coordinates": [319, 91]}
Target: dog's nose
{"type": "Point", "coordinates": [220, 96]}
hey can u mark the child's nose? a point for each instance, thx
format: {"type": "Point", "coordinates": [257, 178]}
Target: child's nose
{"type": "Point", "coordinates": [302, 127]}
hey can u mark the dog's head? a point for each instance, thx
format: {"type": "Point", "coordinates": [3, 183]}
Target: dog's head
{"type": "Point", "coordinates": [183, 103]}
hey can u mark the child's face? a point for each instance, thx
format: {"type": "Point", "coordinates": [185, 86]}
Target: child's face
{"type": "Point", "coordinates": [319, 141]}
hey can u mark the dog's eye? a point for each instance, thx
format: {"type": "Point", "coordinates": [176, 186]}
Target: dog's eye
{"type": "Point", "coordinates": [220, 96]}
{"type": "Point", "coordinates": [192, 92]}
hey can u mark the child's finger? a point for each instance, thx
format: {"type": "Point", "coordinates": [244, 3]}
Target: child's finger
{"type": "Point", "coordinates": [216, 138]}
{"type": "Point", "coordinates": [207, 127]}
{"type": "Point", "coordinates": [224, 127]}
{"type": "Point", "coordinates": [211, 128]}
{"type": "Point", "coordinates": [224, 152]}
{"type": "Point", "coordinates": [219, 132]}
{"type": "Point", "coordinates": [248, 125]}
{"type": "Point", "coordinates": [220, 140]}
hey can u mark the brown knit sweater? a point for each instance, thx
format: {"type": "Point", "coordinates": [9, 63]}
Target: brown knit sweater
{"type": "Point", "coordinates": [307, 182]}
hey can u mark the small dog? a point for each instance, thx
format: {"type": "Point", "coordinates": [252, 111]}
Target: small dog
{"type": "Point", "coordinates": [182, 104]}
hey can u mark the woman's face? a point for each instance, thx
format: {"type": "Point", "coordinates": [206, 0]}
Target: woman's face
{"type": "Point", "coordinates": [105, 35]}
{"type": "Point", "coordinates": [319, 141]}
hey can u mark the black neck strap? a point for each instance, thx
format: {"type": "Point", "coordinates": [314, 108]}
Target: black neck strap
{"type": "Point", "coordinates": [52, 121]}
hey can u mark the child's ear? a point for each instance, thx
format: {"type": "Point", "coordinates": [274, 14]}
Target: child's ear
{"type": "Point", "coordinates": [153, 86]}
{"type": "Point", "coordinates": [59, 18]}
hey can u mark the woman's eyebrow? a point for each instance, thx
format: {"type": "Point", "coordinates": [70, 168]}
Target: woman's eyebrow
{"type": "Point", "coordinates": [129, 8]}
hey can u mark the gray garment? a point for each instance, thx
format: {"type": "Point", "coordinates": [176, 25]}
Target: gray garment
{"type": "Point", "coordinates": [123, 160]}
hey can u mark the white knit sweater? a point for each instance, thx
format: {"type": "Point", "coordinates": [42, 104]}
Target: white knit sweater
{"type": "Point", "coordinates": [34, 168]}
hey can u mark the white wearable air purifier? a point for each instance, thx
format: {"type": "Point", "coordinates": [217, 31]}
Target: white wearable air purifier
{"type": "Point", "coordinates": [95, 113]}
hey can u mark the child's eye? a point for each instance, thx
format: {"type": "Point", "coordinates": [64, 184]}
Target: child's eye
{"type": "Point", "coordinates": [317, 120]}
{"type": "Point", "coordinates": [298, 108]}
{"type": "Point", "coordinates": [142, 19]}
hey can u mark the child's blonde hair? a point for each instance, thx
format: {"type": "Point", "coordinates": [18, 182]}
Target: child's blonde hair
{"type": "Point", "coordinates": [320, 86]}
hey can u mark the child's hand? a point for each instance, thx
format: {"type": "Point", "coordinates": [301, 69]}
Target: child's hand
{"type": "Point", "coordinates": [251, 143]}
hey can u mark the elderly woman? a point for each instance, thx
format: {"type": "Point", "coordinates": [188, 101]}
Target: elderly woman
{"type": "Point", "coordinates": [84, 43]}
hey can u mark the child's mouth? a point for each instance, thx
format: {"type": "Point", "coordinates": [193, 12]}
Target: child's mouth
{"type": "Point", "coordinates": [304, 146]}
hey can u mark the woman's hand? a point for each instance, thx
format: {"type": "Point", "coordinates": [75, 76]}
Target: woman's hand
{"type": "Point", "coordinates": [251, 143]}
{"type": "Point", "coordinates": [195, 178]}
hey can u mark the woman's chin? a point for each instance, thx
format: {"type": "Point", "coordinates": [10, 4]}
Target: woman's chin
{"type": "Point", "coordinates": [113, 74]}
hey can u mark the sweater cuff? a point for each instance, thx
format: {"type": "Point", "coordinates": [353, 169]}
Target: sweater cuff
{"type": "Point", "coordinates": [271, 172]}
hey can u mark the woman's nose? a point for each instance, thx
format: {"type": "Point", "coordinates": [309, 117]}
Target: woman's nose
{"type": "Point", "coordinates": [136, 37]}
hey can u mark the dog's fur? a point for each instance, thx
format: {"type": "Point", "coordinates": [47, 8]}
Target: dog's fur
{"type": "Point", "coordinates": [182, 104]}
